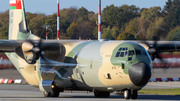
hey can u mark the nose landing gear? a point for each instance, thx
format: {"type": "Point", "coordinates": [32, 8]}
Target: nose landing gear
{"type": "Point", "coordinates": [128, 94]}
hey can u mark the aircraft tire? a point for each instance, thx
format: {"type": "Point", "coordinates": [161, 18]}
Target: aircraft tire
{"type": "Point", "coordinates": [105, 94]}
{"type": "Point", "coordinates": [48, 94]}
{"type": "Point", "coordinates": [101, 94]}
{"type": "Point", "coordinates": [134, 95]}
{"type": "Point", "coordinates": [97, 94]}
{"type": "Point", "coordinates": [127, 94]}
{"type": "Point", "coordinates": [55, 94]}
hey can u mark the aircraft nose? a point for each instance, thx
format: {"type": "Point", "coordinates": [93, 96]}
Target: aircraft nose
{"type": "Point", "coordinates": [140, 74]}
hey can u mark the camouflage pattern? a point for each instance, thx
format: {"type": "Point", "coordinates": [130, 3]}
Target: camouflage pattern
{"type": "Point", "coordinates": [85, 65]}
{"type": "Point", "coordinates": [75, 64]}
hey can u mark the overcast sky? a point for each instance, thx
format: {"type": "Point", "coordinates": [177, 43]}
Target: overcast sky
{"type": "Point", "coordinates": [49, 6]}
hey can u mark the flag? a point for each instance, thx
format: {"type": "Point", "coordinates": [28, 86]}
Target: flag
{"type": "Point", "coordinates": [15, 4]}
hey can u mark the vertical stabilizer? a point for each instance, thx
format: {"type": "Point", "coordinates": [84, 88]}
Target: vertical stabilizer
{"type": "Point", "coordinates": [18, 27]}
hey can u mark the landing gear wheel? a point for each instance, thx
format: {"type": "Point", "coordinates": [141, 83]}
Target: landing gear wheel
{"type": "Point", "coordinates": [101, 94]}
{"type": "Point", "coordinates": [48, 94]}
{"type": "Point", "coordinates": [97, 94]}
{"type": "Point", "coordinates": [105, 94]}
{"type": "Point", "coordinates": [134, 94]}
{"type": "Point", "coordinates": [127, 94]}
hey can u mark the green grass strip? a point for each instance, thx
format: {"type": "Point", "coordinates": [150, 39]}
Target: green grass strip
{"type": "Point", "coordinates": [175, 91]}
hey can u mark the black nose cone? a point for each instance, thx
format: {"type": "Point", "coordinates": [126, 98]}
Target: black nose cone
{"type": "Point", "coordinates": [140, 74]}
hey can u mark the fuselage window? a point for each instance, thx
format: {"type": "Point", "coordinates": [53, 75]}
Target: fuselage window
{"type": "Point", "coordinates": [120, 49]}
{"type": "Point", "coordinates": [131, 53]}
{"type": "Point", "coordinates": [124, 49]}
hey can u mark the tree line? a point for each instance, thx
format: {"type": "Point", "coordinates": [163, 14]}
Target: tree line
{"type": "Point", "coordinates": [118, 23]}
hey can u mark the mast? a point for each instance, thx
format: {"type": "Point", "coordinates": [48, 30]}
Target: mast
{"type": "Point", "coordinates": [99, 20]}
{"type": "Point", "coordinates": [58, 20]}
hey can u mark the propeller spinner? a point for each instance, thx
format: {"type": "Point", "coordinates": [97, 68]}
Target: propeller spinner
{"type": "Point", "coordinates": [35, 50]}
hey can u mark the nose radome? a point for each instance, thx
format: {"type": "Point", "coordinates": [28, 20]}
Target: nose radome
{"type": "Point", "coordinates": [140, 74]}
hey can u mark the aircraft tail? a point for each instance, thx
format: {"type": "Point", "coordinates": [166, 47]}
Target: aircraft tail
{"type": "Point", "coordinates": [18, 27]}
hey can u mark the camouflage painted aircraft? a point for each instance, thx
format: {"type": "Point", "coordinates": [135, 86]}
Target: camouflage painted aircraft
{"type": "Point", "coordinates": [98, 66]}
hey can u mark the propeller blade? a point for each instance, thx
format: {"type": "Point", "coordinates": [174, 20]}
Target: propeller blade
{"type": "Point", "coordinates": [31, 41]}
{"type": "Point", "coordinates": [29, 51]}
{"type": "Point", "coordinates": [147, 44]}
{"type": "Point", "coordinates": [44, 59]}
{"type": "Point", "coordinates": [40, 43]}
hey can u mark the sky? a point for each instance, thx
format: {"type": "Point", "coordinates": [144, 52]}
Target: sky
{"type": "Point", "coordinates": [49, 6]}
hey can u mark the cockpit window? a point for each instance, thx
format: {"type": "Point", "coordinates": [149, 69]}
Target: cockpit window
{"type": "Point", "coordinates": [144, 53]}
{"type": "Point", "coordinates": [122, 52]}
{"type": "Point", "coordinates": [126, 53]}
{"type": "Point", "coordinates": [130, 52]}
{"type": "Point", "coordinates": [120, 49]}
{"type": "Point", "coordinates": [117, 55]}
{"type": "Point", "coordinates": [138, 52]}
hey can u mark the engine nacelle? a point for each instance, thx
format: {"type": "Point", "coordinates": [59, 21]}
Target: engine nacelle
{"type": "Point", "coordinates": [46, 86]}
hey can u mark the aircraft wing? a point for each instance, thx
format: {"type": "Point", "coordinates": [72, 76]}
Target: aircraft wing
{"type": "Point", "coordinates": [163, 46]}
{"type": "Point", "coordinates": [9, 45]}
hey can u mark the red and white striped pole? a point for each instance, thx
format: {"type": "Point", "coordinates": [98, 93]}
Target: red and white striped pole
{"type": "Point", "coordinates": [58, 20]}
{"type": "Point", "coordinates": [99, 20]}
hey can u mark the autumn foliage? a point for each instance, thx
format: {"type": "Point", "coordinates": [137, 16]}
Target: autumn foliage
{"type": "Point", "coordinates": [118, 23]}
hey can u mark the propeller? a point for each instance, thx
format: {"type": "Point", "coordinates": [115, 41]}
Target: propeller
{"type": "Point", "coordinates": [36, 50]}
{"type": "Point", "coordinates": [153, 50]}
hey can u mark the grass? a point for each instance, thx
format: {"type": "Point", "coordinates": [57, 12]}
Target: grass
{"type": "Point", "coordinates": [175, 91]}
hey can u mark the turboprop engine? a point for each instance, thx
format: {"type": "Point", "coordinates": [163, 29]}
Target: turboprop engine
{"type": "Point", "coordinates": [31, 51]}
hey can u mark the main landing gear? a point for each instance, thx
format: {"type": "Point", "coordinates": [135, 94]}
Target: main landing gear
{"type": "Point", "coordinates": [128, 94]}
{"type": "Point", "coordinates": [49, 94]}
{"type": "Point", "coordinates": [101, 94]}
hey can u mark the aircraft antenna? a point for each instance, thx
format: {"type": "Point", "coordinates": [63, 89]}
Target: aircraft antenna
{"type": "Point", "coordinates": [99, 21]}
{"type": "Point", "coordinates": [58, 20]}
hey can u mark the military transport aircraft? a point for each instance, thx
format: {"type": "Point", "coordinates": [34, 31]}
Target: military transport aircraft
{"type": "Point", "coordinates": [99, 66]}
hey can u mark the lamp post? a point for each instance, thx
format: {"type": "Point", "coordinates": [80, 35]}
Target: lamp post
{"type": "Point", "coordinates": [47, 28]}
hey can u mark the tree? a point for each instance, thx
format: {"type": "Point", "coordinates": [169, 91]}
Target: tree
{"type": "Point", "coordinates": [4, 18]}
{"type": "Point", "coordinates": [125, 36]}
{"type": "Point", "coordinates": [83, 13]}
{"type": "Point", "coordinates": [72, 14]}
{"type": "Point", "coordinates": [110, 14]}
{"type": "Point", "coordinates": [171, 12]}
{"type": "Point", "coordinates": [151, 13]}
{"type": "Point", "coordinates": [72, 30]}
{"type": "Point", "coordinates": [174, 35]}
{"type": "Point", "coordinates": [29, 16]}
{"type": "Point", "coordinates": [157, 29]}
{"type": "Point", "coordinates": [36, 24]}
{"type": "Point", "coordinates": [85, 30]}
{"type": "Point", "coordinates": [119, 16]}
{"type": "Point", "coordinates": [4, 31]}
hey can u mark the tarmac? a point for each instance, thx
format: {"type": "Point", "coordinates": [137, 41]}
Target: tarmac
{"type": "Point", "coordinates": [14, 92]}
